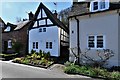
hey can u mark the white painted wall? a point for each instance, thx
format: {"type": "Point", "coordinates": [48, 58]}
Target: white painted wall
{"type": "Point", "coordinates": [52, 34]}
{"type": "Point", "coordinates": [73, 37]}
{"type": "Point", "coordinates": [96, 25]}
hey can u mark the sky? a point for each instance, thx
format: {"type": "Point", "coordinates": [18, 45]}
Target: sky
{"type": "Point", "coordinates": [9, 11]}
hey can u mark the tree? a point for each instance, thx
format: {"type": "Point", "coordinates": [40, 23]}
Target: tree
{"type": "Point", "coordinates": [17, 46]}
{"type": "Point", "coordinates": [104, 55]}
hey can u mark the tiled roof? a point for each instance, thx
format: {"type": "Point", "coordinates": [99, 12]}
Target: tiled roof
{"type": "Point", "coordinates": [84, 8]}
{"type": "Point", "coordinates": [21, 24]}
{"type": "Point", "coordinates": [51, 16]}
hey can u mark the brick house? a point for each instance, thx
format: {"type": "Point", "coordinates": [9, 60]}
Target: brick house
{"type": "Point", "coordinates": [16, 33]}
{"type": "Point", "coordinates": [2, 26]}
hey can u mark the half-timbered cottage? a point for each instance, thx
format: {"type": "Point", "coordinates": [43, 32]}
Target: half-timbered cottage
{"type": "Point", "coordinates": [48, 33]}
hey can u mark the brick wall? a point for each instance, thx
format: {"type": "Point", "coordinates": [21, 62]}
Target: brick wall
{"type": "Point", "coordinates": [18, 36]}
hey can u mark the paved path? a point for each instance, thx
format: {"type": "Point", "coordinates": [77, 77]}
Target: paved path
{"type": "Point", "coordinates": [15, 70]}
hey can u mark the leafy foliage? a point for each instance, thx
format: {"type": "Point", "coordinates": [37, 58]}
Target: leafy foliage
{"type": "Point", "coordinates": [17, 46]}
{"type": "Point", "coordinates": [36, 58]}
{"type": "Point", "coordinates": [91, 71]}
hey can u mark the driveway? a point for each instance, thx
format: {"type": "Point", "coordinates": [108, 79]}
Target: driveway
{"type": "Point", "coordinates": [15, 70]}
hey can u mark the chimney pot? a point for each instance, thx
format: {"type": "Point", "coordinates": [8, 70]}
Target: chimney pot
{"type": "Point", "coordinates": [31, 15]}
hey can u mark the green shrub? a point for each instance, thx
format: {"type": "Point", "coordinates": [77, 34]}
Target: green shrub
{"type": "Point", "coordinates": [33, 51]}
{"type": "Point", "coordinates": [47, 55]}
{"type": "Point", "coordinates": [25, 61]}
{"type": "Point", "coordinates": [67, 63]}
{"type": "Point", "coordinates": [115, 75]}
{"type": "Point", "coordinates": [70, 70]}
{"type": "Point", "coordinates": [17, 46]}
{"type": "Point", "coordinates": [34, 56]}
{"type": "Point", "coordinates": [17, 60]}
{"type": "Point", "coordinates": [28, 56]}
{"type": "Point", "coordinates": [91, 71]}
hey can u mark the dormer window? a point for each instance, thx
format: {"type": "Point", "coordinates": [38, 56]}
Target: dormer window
{"type": "Point", "coordinates": [99, 5]}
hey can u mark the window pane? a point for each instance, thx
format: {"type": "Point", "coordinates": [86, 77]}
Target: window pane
{"type": "Point", "coordinates": [9, 44]}
{"type": "Point", "coordinates": [33, 45]}
{"type": "Point", "coordinates": [40, 30]}
{"type": "Point", "coordinates": [36, 45]}
{"type": "Point", "coordinates": [44, 29]}
{"type": "Point", "coordinates": [47, 45]}
{"type": "Point", "coordinates": [102, 5]}
{"type": "Point", "coordinates": [91, 42]}
{"type": "Point", "coordinates": [95, 4]}
{"type": "Point", "coordinates": [99, 41]}
{"type": "Point", "coordinates": [50, 45]}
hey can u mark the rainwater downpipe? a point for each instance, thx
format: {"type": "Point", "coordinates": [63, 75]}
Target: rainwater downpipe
{"type": "Point", "coordinates": [78, 46]}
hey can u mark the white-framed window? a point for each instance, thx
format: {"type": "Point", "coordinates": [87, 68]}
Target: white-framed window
{"type": "Point", "coordinates": [96, 42]}
{"type": "Point", "coordinates": [99, 5]}
{"type": "Point", "coordinates": [35, 45]}
{"type": "Point", "coordinates": [40, 30]}
{"type": "Point", "coordinates": [49, 45]}
{"type": "Point", "coordinates": [95, 5]}
{"type": "Point", "coordinates": [102, 4]}
{"type": "Point", "coordinates": [9, 44]}
{"type": "Point", "coordinates": [44, 29]}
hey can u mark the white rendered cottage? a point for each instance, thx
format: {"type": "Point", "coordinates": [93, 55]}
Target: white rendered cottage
{"type": "Point", "coordinates": [47, 33]}
{"type": "Point", "coordinates": [95, 26]}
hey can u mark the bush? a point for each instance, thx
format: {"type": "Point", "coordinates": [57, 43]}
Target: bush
{"type": "Point", "coordinates": [33, 51]}
{"type": "Point", "coordinates": [71, 70]}
{"type": "Point", "coordinates": [18, 60]}
{"type": "Point", "coordinates": [47, 55]}
{"type": "Point", "coordinates": [67, 63]}
{"type": "Point", "coordinates": [17, 46]}
{"type": "Point", "coordinates": [91, 71]}
{"type": "Point", "coordinates": [115, 75]}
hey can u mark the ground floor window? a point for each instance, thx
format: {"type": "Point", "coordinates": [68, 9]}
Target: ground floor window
{"type": "Point", "coordinates": [96, 41]}
{"type": "Point", "coordinates": [9, 44]}
{"type": "Point", "coordinates": [35, 45]}
{"type": "Point", "coordinates": [49, 45]}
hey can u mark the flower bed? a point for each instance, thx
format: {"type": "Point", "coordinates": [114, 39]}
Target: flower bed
{"type": "Point", "coordinates": [40, 59]}
{"type": "Point", "coordinates": [8, 56]}
{"type": "Point", "coordinates": [91, 71]}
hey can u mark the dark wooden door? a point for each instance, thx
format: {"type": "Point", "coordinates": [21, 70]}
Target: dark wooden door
{"type": "Point", "coordinates": [5, 46]}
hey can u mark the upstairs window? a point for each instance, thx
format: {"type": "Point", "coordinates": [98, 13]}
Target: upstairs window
{"type": "Point", "coordinates": [99, 5]}
{"type": "Point", "coordinates": [40, 30]}
{"type": "Point", "coordinates": [44, 29]}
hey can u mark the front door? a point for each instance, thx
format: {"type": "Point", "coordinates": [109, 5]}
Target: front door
{"type": "Point", "coordinates": [5, 46]}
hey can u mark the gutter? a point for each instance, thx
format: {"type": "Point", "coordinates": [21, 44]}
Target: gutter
{"type": "Point", "coordinates": [78, 46]}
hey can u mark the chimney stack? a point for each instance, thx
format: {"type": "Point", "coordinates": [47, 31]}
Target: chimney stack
{"type": "Point", "coordinates": [31, 15]}
{"type": "Point", "coordinates": [75, 1]}
{"type": "Point", "coordinates": [55, 14]}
